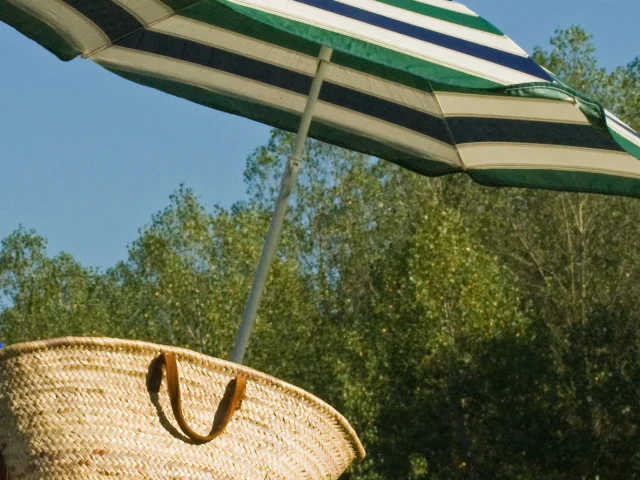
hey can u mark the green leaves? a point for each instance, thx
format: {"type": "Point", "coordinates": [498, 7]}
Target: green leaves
{"type": "Point", "coordinates": [44, 297]}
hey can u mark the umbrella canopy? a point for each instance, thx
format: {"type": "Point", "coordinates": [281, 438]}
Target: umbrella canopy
{"type": "Point", "coordinates": [426, 84]}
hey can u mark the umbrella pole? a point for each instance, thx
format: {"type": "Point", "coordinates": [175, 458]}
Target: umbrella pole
{"type": "Point", "coordinates": [286, 187]}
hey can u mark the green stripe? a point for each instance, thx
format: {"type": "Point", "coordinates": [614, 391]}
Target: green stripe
{"type": "Point", "coordinates": [477, 23]}
{"type": "Point", "coordinates": [630, 147]}
{"type": "Point", "coordinates": [287, 121]}
{"type": "Point", "coordinates": [222, 17]}
{"type": "Point", "coordinates": [217, 15]}
{"type": "Point", "coordinates": [37, 31]}
{"type": "Point", "coordinates": [564, 181]}
{"type": "Point", "coordinates": [364, 50]}
{"type": "Point", "coordinates": [254, 111]}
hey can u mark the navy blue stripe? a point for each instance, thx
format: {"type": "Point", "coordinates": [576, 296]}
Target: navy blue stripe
{"type": "Point", "coordinates": [499, 57]}
{"type": "Point", "coordinates": [386, 110]}
{"type": "Point", "coordinates": [111, 18]}
{"type": "Point", "coordinates": [193, 52]}
{"type": "Point", "coordinates": [481, 130]}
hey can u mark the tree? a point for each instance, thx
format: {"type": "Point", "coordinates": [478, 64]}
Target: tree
{"type": "Point", "coordinates": [404, 330]}
{"type": "Point", "coordinates": [576, 261]}
{"type": "Point", "coordinates": [43, 297]}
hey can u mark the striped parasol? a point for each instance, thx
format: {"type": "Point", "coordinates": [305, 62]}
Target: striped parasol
{"type": "Point", "coordinates": [426, 84]}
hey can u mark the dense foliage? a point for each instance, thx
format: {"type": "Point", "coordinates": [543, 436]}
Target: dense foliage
{"type": "Point", "coordinates": [466, 332]}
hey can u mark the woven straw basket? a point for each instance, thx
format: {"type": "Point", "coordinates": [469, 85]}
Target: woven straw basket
{"type": "Point", "coordinates": [96, 408]}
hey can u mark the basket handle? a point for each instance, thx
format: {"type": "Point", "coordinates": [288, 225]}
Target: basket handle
{"type": "Point", "coordinates": [231, 401]}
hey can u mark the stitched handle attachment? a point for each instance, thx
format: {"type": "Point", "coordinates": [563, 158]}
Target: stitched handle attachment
{"type": "Point", "coordinates": [231, 401]}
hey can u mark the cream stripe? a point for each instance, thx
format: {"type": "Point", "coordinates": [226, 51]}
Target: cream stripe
{"type": "Point", "coordinates": [147, 11]}
{"type": "Point", "coordinates": [387, 133]}
{"type": "Point", "coordinates": [374, 86]}
{"type": "Point", "coordinates": [239, 87]}
{"type": "Point", "coordinates": [467, 105]}
{"type": "Point", "coordinates": [499, 42]}
{"type": "Point", "coordinates": [216, 37]}
{"type": "Point", "coordinates": [233, 42]}
{"type": "Point", "coordinates": [78, 30]}
{"type": "Point", "coordinates": [513, 156]}
{"type": "Point", "coordinates": [394, 41]}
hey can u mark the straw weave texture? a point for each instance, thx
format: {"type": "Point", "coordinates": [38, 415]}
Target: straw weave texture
{"type": "Point", "coordinates": [79, 408]}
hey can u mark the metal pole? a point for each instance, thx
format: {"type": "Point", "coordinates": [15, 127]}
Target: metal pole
{"type": "Point", "coordinates": [286, 187]}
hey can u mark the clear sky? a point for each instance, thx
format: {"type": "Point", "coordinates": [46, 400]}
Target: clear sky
{"type": "Point", "coordinates": [86, 157]}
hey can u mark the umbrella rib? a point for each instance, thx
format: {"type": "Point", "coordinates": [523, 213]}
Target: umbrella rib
{"type": "Point", "coordinates": [446, 125]}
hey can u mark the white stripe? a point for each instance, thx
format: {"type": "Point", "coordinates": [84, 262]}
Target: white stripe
{"type": "Point", "coordinates": [257, 92]}
{"type": "Point", "coordinates": [620, 130]}
{"type": "Point", "coordinates": [448, 5]}
{"type": "Point", "coordinates": [542, 157]}
{"type": "Point", "coordinates": [613, 117]}
{"type": "Point", "coordinates": [250, 47]}
{"type": "Point", "coordinates": [147, 11]}
{"type": "Point", "coordinates": [627, 135]}
{"type": "Point", "coordinates": [499, 42]}
{"type": "Point", "coordinates": [394, 41]}
{"type": "Point", "coordinates": [467, 105]}
{"type": "Point", "coordinates": [79, 31]}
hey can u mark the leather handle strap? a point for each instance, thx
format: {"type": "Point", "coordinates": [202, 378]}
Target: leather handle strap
{"type": "Point", "coordinates": [231, 401]}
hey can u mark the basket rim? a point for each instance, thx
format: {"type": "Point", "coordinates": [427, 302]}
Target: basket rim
{"type": "Point", "coordinates": [18, 349]}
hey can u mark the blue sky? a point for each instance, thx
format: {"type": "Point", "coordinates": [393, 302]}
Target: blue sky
{"type": "Point", "coordinates": [86, 158]}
